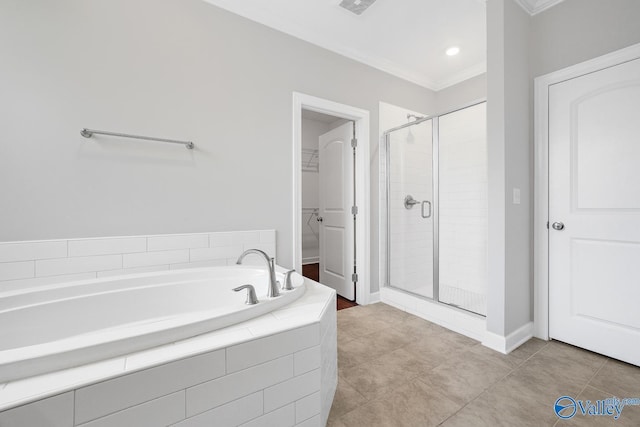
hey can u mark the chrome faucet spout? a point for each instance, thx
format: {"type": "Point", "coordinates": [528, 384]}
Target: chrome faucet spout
{"type": "Point", "coordinates": [274, 287]}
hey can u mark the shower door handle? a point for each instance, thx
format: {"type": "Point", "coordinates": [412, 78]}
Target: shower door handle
{"type": "Point", "coordinates": [409, 201]}
{"type": "Point", "coordinates": [428, 215]}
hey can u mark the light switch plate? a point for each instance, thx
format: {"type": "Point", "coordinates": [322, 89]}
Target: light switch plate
{"type": "Point", "coordinates": [516, 196]}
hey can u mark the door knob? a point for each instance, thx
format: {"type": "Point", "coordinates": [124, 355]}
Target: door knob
{"type": "Point", "coordinates": [557, 226]}
{"type": "Point", "coordinates": [319, 219]}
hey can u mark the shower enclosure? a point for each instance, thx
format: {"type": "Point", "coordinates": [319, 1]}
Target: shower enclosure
{"type": "Point", "coordinates": [435, 185]}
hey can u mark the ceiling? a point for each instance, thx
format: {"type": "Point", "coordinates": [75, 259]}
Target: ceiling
{"type": "Point", "coordinates": [406, 38]}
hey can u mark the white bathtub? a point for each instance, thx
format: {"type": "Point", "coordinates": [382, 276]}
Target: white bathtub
{"type": "Point", "coordinates": [66, 325]}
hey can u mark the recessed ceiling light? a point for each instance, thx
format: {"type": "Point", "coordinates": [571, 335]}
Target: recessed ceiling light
{"type": "Point", "coordinates": [452, 51]}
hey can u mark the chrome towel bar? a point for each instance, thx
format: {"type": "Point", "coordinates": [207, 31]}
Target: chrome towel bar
{"type": "Point", "coordinates": [88, 133]}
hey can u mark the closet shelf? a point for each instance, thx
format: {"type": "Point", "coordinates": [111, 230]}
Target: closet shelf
{"type": "Point", "coordinates": [310, 160]}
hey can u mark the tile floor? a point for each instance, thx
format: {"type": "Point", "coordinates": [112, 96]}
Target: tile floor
{"type": "Point", "coordinates": [396, 369]}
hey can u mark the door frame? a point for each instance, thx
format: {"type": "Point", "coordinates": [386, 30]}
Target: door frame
{"type": "Point", "coordinates": [541, 174]}
{"type": "Point", "coordinates": [301, 102]}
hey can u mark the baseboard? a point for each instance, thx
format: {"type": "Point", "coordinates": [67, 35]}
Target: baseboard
{"type": "Point", "coordinates": [519, 336]}
{"type": "Point", "coordinates": [495, 342]}
{"type": "Point", "coordinates": [310, 260]}
{"type": "Point", "coordinates": [374, 297]}
{"type": "Point", "coordinates": [515, 339]}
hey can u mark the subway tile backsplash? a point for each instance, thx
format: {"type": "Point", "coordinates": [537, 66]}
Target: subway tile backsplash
{"type": "Point", "coordinates": [25, 251]}
{"type": "Point", "coordinates": [146, 259]}
{"type": "Point", "coordinates": [37, 263]}
{"type": "Point", "coordinates": [17, 270]}
{"type": "Point", "coordinates": [71, 265]}
{"type": "Point", "coordinates": [186, 241]}
{"type": "Point", "coordinates": [88, 247]}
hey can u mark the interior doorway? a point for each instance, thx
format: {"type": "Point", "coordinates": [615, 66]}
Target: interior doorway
{"type": "Point", "coordinates": [331, 195]}
{"type": "Point", "coordinates": [587, 212]}
{"type": "Point", "coordinates": [327, 197]}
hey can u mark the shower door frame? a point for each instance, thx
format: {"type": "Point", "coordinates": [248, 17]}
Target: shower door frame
{"type": "Point", "coordinates": [435, 202]}
{"type": "Point", "coordinates": [436, 206]}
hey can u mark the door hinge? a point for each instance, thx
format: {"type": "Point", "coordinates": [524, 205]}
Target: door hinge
{"type": "Point", "coordinates": [354, 142]}
{"type": "Point", "coordinates": [354, 210]}
{"type": "Point", "coordinates": [354, 277]}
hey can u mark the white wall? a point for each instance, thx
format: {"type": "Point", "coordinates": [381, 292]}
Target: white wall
{"type": "Point", "coordinates": [456, 96]}
{"type": "Point", "coordinates": [575, 31]}
{"type": "Point", "coordinates": [508, 102]}
{"type": "Point", "coordinates": [175, 69]}
{"type": "Point", "coordinates": [496, 166]}
{"type": "Point", "coordinates": [518, 175]}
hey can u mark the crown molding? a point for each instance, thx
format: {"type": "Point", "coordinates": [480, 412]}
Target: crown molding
{"type": "Point", "coordinates": [292, 29]}
{"type": "Point", "coordinates": [463, 75]}
{"type": "Point", "coordinates": [533, 7]}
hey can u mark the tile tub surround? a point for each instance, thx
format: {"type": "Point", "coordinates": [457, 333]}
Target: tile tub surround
{"type": "Point", "coordinates": [278, 369]}
{"type": "Point", "coordinates": [37, 263]}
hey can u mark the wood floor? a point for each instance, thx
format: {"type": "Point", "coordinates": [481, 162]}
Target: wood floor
{"type": "Point", "coordinates": [312, 271]}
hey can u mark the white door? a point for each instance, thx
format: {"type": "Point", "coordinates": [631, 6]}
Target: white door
{"type": "Point", "coordinates": [336, 199]}
{"type": "Point", "coordinates": [594, 191]}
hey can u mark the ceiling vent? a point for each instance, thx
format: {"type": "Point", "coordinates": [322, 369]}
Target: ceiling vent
{"type": "Point", "coordinates": [356, 6]}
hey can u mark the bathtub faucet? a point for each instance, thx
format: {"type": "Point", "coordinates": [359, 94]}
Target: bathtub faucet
{"type": "Point", "coordinates": [274, 287]}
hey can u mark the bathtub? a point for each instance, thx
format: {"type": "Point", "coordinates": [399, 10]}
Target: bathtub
{"type": "Point", "coordinates": [60, 326]}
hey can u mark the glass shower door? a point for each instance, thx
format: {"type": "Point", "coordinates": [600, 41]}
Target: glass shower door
{"type": "Point", "coordinates": [462, 165]}
{"type": "Point", "coordinates": [411, 209]}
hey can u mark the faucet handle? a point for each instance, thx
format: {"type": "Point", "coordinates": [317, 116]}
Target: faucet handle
{"type": "Point", "coordinates": [287, 285]}
{"type": "Point", "coordinates": [251, 294]}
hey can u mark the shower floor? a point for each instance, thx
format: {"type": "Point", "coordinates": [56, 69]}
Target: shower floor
{"type": "Point", "coordinates": [463, 298]}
